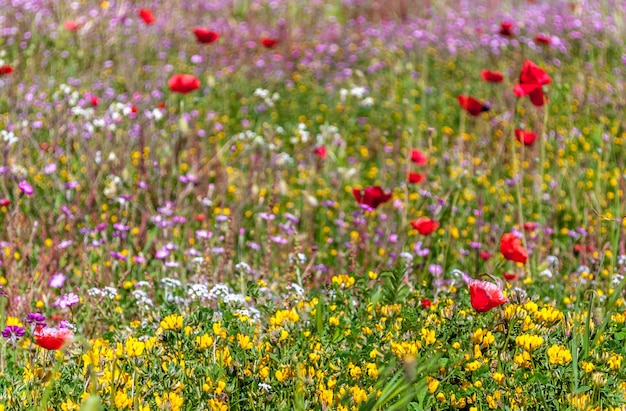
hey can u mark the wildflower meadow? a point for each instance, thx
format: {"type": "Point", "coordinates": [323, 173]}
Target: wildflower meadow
{"type": "Point", "coordinates": [312, 205]}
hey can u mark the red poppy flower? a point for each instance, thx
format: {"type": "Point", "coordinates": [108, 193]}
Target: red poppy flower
{"type": "Point", "coordinates": [492, 76]}
{"type": "Point", "coordinates": [94, 101]}
{"type": "Point", "coordinates": [485, 255]}
{"type": "Point", "coordinates": [531, 82]}
{"type": "Point", "coordinates": [542, 39]}
{"type": "Point", "coordinates": [425, 225]}
{"type": "Point", "coordinates": [200, 217]}
{"type": "Point", "coordinates": [5, 69]}
{"type": "Point", "coordinates": [506, 28]}
{"type": "Point", "coordinates": [70, 25]}
{"type": "Point", "coordinates": [485, 295]}
{"type": "Point", "coordinates": [512, 249]}
{"type": "Point", "coordinates": [426, 303]}
{"type": "Point", "coordinates": [418, 157]}
{"type": "Point", "coordinates": [147, 16]}
{"type": "Point", "coordinates": [415, 178]}
{"type": "Point", "coordinates": [472, 106]}
{"type": "Point", "coordinates": [5, 202]}
{"type": "Point", "coordinates": [525, 137]}
{"type": "Point", "coordinates": [183, 83]}
{"type": "Point", "coordinates": [509, 276]}
{"type": "Point", "coordinates": [268, 42]}
{"type": "Point", "coordinates": [52, 338]}
{"type": "Point", "coordinates": [205, 36]}
{"type": "Point", "coordinates": [321, 152]}
{"type": "Point", "coordinates": [530, 226]}
{"type": "Point", "coordinates": [371, 196]}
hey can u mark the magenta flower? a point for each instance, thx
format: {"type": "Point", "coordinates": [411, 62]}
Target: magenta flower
{"type": "Point", "coordinates": [26, 188]}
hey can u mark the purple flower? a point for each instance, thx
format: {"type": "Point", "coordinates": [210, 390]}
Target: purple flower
{"type": "Point", "coordinates": [139, 259]}
{"type": "Point", "coordinates": [36, 318]}
{"type": "Point", "coordinates": [26, 188]}
{"type": "Point", "coordinates": [117, 255]}
{"type": "Point", "coordinates": [14, 332]}
{"type": "Point", "coordinates": [435, 269]}
{"type": "Point", "coordinates": [67, 300]}
{"type": "Point", "coordinates": [56, 281]}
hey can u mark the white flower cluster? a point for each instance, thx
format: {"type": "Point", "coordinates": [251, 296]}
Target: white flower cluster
{"type": "Point", "coordinates": [268, 98]}
{"type": "Point", "coordinates": [359, 93]}
{"type": "Point", "coordinates": [105, 292]}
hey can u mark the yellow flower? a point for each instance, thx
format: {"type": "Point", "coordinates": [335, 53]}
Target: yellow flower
{"type": "Point", "coordinates": [498, 377]}
{"type": "Point", "coordinates": [325, 396]}
{"type": "Point", "coordinates": [428, 336]}
{"type": "Point", "coordinates": [587, 366]}
{"type": "Point", "coordinates": [218, 331]}
{"type": "Point", "coordinates": [433, 384]}
{"type": "Point", "coordinates": [244, 342]}
{"type": "Point", "coordinates": [359, 395]}
{"type": "Point", "coordinates": [280, 375]}
{"type": "Point", "coordinates": [559, 354]}
{"type": "Point", "coordinates": [171, 401]}
{"type": "Point", "coordinates": [264, 372]}
{"type": "Point", "coordinates": [472, 366]}
{"type": "Point", "coordinates": [134, 347]}
{"type": "Point", "coordinates": [523, 359]}
{"type": "Point", "coordinates": [13, 321]}
{"type": "Point", "coordinates": [333, 321]}
{"type": "Point", "coordinates": [217, 405]}
{"type": "Point", "coordinates": [204, 341]}
{"type": "Point", "coordinates": [615, 361]}
{"type": "Point", "coordinates": [68, 405]}
{"type": "Point", "coordinates": [122, 400]}
{"type": "Point", "coordinates": [529, 342]}
{"type": "Point", "coordinates": [172, 322]}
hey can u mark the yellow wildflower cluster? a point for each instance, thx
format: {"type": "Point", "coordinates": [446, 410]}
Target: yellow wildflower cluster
{"type": "Point", "coordinates": [559, 354]}
{"type": "Point", "coordinates": [343, 280]}
{"type": "Point", "coordinates": [529, 342]}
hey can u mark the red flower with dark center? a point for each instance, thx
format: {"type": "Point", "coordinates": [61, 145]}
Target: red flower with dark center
{"type": "Point", "coordinates": [53, 338]}
{"type": "Point", "coordinates": [205, 36]}
{"type": "Point", "coordinates": [268, 42]}
{"type": "Point", "coordinates": [492, 76]}
{"type": "Point", "coordinates": [542, 39]}
{"type": "Point", "coordinates": [531, 82]}
{"type": "Point", "coordinates": [183, 83]}
{"type": "Point", "coordinates": [93, 100]}
{"type": "Point", "coordinates": [147, 16]}
{"type": "Point", "coordinates": [512, 249]}
{"type": "Point", "coordinates": [530, 226]}
{"type": "Point", "coordinates": [371, 196]}
{"type": "Point", "coordinates": [418, 157]}
{"type": "Point", "coordinates": [472, 106]}
{"type": "Point", "coordinates": [426, 303]}
{"type": "Point", "coordinates": [509, 276]}
{"type": "Point", "coordinates": [321, 152]}
{"type": "Point", "coordinates": [5, 69]}
{"type": "Point", "coordinates": [485, 255]}
{"type": "Point", "coordinates": [506, 29]}
{"type": "Point", "coordinates": [415, 178]}
{"type": "Point", "coordinates": [5, 202]}
{"type": "Point", "coordinates": [70, 25]}
{"type": "Point", "coordinates": [525, 137]}
{"type": "Point", "coordinates": [485, 295]}
{"type": "Point", "coordinates": [425, 225]}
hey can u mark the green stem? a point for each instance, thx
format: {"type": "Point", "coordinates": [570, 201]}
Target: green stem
{"type": "Point", "coordinates": [48, 391]}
